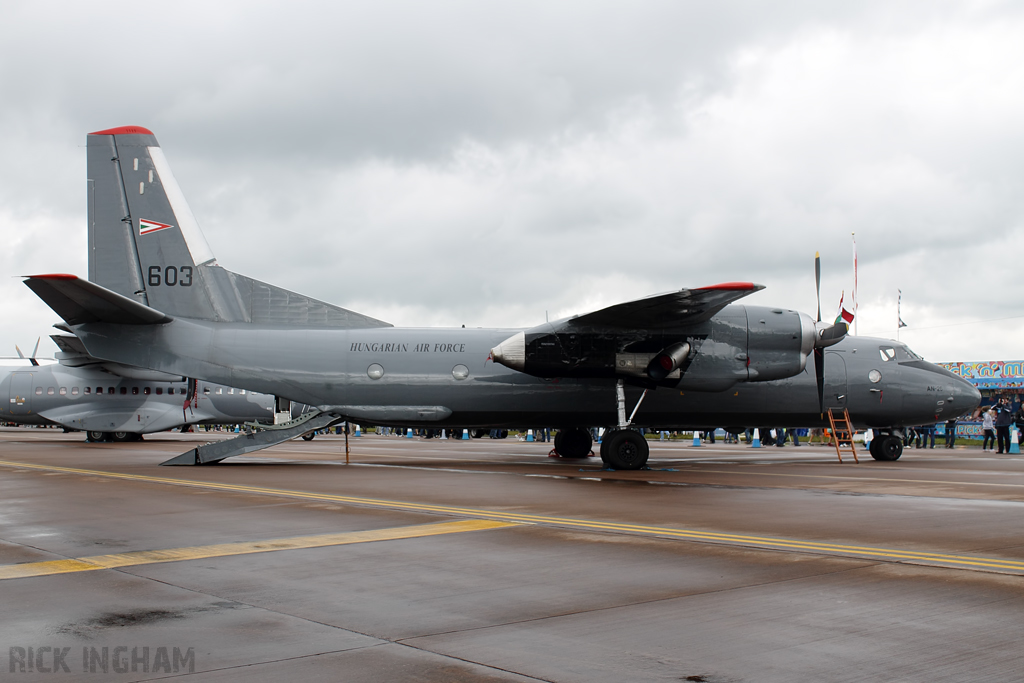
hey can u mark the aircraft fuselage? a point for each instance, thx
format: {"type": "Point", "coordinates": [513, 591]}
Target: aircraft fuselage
{"type": "Point", "coordinates": [444, 376]}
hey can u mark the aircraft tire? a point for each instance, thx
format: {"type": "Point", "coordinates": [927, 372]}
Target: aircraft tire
{"type": "Point", "coordinates": [626, 450]}
{"type": "Point", "coordinates": [93, 436]}
{"type": "Point", "coordinates": [889, 448]}
{"type": "Point", "coordinates": [122, 437]}
{"type": "Point", "coordinates": [308, 436]}
{"type": "Point", "coordinates": [573, 443]}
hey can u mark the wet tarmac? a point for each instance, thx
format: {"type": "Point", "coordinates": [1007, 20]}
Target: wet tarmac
{"type": "Point", "coordinates": [480, 560]}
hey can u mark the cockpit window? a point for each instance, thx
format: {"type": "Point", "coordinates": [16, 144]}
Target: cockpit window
{"type": "Point", "coordinates": [887, 353]}
{"type": "Point", "coordinates": [905, 354]}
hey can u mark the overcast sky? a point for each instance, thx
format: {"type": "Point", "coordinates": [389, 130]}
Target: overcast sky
{"type": "Point", "coordinates": [482, 163]}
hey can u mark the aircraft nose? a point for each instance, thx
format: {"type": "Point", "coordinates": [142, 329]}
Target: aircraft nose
{"type": "Point", "coordinates": [966, 396]}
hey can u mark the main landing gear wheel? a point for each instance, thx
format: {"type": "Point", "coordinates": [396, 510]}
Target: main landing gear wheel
{"type": "Point", "coordinates": [308, 436]}
{"type": "Point", "coordinates": [625, 449]}
{"type": "Point", "coordinates": [573, 443]}
{"type": "Point", "coordinates": [886, 448]}
{"type": "Point", "coordinates": [93, 436]}
{"type": "Point", "coordinates": [122, 437]}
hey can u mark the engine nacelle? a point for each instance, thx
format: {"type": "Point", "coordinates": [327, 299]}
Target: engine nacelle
{"type": "Point", "coordinates": [738, 344]}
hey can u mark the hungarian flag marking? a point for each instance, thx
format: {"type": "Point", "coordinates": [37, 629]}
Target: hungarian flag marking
{"type": "Point", "coordinates": [146, 227]}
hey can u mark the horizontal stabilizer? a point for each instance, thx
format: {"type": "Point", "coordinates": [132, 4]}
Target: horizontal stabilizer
{"type": "Point", "coordinates": [72, 354]}
{"type": "Point", "coordinates": [685, 307]}
{"type": "Point", "coordinates": [79, 301]}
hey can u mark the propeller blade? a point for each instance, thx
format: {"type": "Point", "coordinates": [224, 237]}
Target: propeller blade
{"type": "Point", "coordinates": [819, 376]}
{"type": "Point", "coordinates": [817, 281]}
{"type": "Point", "coordinates": [20, 354]}
{"type": "Point", "coordinates": [35, 351]}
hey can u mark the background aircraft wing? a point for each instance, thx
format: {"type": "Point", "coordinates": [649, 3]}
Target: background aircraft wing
{"type": "Point", "coordinates": [685, 307]}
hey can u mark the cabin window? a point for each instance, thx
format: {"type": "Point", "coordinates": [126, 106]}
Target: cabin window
{"type": "Point", "coordinates": [231, 391]}
{"type": "Point", "coordinates": [135, 391]}
{"type": "Point", "coordinates": [146, 391]}
{"type": "Point", "coordinates": [220, 390]}
{"type": "Point", "coordinates": [241, 391]}
{"type": "Point", "coordinates": [159, 391]}
{"type": "Point", "coordinates": [206, 390]}
{"type": "Point", "coordinates": [49, 391]}
{"type": "Point", "coordinates": [74, 391]}
{"type": "Point", "coordinates": [110, 391]}
{"type": "Point", "coordinates": [99, 390]}
{"type": "Point", "coordinates": [39, 391]}
{"type": "Point", "coordinates": [170, 391]}
{"type": "Point", "coordinates": [63, 391]}
{"type": "Point", "coordinates": [124, 391]}
{"type": "Point", "coordinates": [887, 353]}
{"type": "Point", "coordinates": [88, 390]}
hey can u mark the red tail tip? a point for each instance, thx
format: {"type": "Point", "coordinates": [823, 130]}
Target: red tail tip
{"type": "Point", "coordinates": [124, 130]}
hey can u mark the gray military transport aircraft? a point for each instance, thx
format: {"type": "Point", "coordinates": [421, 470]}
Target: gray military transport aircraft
{"type": "Point", "coordinates": [113, 402]}
{"type": "Point", "coordinates": [156, 298]}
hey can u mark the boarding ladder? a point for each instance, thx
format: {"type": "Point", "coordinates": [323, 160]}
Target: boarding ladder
{"type": "Point", "coordinates": [842, 430]}
{"type": "Point", "coordinates": [256, 437]}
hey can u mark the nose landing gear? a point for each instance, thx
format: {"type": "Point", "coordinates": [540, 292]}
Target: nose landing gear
{"type": "Point", "coordinates": [886, 447]}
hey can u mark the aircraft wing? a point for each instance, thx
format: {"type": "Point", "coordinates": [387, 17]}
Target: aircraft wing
{"type": "Point", "coordinates": [673, 309]}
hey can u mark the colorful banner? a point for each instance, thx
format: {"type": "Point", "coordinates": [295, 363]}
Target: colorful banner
{"type": "Point", "coordinates": [995, 374]}
{"type": "Point", "coordinates": [995, 369]}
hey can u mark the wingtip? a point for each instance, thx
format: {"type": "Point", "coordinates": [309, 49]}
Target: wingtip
{"type": "Point", "coordinates": [51, 276]}
{"type": "Point", "coordinates": [736, 286]}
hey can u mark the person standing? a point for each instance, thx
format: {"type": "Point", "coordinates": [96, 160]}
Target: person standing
{"type": "Point", "coordinates": [988, 430]}
{"type": "Point", "coordinates": [950, 432]}
{"type": "Point", "coordinates": [928, 436]}
{"type": "Point", "coordinates": [1004, 418]}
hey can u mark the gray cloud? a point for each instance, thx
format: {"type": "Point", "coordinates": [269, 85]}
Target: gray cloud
{"type": "Point", "coordinates": [482, 164]}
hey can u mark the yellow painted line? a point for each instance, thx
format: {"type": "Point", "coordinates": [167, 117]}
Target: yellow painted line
{"type": "Point", "coordinates": [764, 542]}
{"type": "Point", "coordinates": [140, 557]}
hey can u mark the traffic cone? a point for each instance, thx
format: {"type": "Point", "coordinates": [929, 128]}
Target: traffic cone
{"type": "Point", "coordinates": [465, 435]}
{"type": "Point", "coordinates": [756, 443]}
{"type": "Point", "coordinates": [359, 432]}
{"type": "Point", "coordinates": [696, 438]}
{"type": "Point", "coordinates": [1014, 441]}
{"type": "Point", "coordinates": [529, 435]}
{"type": "Point", "coordinates": [408, 434]}
{"type": "Point", "coordinates": [443, 435]}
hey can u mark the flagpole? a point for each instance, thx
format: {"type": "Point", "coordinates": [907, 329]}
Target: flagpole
{"type": "Point", "coordinates": [856, 299]}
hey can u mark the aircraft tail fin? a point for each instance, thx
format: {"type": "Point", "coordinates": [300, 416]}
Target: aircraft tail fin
{"type": "Point", "coordinates": [145, 244]}
{"type": "Point", "coordinates": [79, 301]}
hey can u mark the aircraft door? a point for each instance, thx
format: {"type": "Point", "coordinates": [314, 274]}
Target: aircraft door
{"type": "Point", "coordinates": [21, 393]}
{"type": "Point", "coordinates": [836, 386]}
